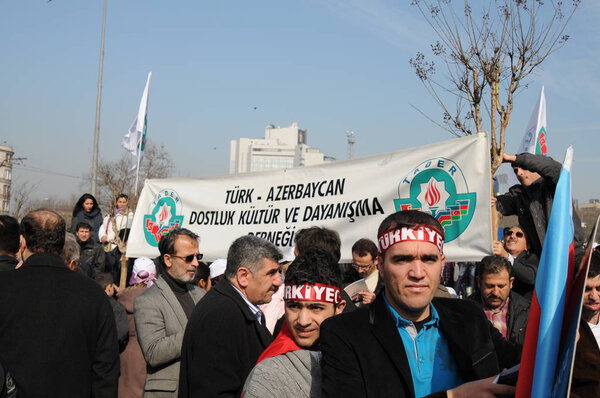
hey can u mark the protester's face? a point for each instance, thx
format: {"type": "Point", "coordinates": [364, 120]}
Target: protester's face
{"type": "Point", "coordinates": [591, 297]}
{"type": "Point", "coordinates": [88, 204]}
{"type": "Point", "coordinates": [263, 283]}
{"type": "Point", "coordinates": [83, 234]}
{"type": "Point", "coordinates": [177, 266]}
{"type": "Point", "coordinates": [304, 319]}
{"type": "Point", "coordinates": [364, 265]}
{"type": "Point", "coordinates": [514, 241]}
{"type": "Point", "coordinates": [411, 271]}
{"type": "Point", "coordinates": [121, 203]}
{"type": "Point", "coordinates": [495, 288]}
{"type": "Point", "coordinates": [525, 177]}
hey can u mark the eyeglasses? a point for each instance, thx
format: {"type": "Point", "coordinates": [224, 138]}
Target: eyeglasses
{"type": "Point", "coordinates": [190, 258]}
{"type": "Point", "coordinates": [518, 234]}
{"type": "Point", "coordinates": [362, 267]}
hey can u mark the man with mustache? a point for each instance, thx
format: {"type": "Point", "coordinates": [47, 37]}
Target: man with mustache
{"type": "Point", "coordinates": [524, 263]}
{"type": "Point", "coordinates": [227, 331]}
{"type": "Point", "coordinates": [162, 311]}
{"type": "Point", "coordinates": [505, 309]}
{"type": "Point", "coordinates": [586, 370]}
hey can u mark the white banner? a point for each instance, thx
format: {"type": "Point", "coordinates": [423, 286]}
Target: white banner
{"type": "Point", "coordinates": [450, 180]}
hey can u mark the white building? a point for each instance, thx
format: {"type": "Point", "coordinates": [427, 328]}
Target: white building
{"type": "Point", "coordinates": [282, 147]}
{"type": "Point", "coordinates": [6, 154]}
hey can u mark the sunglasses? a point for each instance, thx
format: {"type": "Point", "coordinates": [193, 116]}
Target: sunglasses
{"type": "Point", "coordinates": [518, 234]}
{"type": "Point", "coordinates": [190, 258]}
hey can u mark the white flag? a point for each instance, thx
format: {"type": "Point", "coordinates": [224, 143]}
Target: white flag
{"type": "Point", "coordinates": [135, 139]}
{"type": "Point", "coordinates": [534, 140]}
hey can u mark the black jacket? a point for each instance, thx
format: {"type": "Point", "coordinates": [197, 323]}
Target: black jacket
{"type": "Point", "coordinates": [222, 342]}
{"type": "Point", "coordinates": [7, 263]}
{"type": "Point", "coordinates": [516, 318]}
{"type": "Point", "coordinates": [93, 255]}
{"type": "Point", "coordinates": [524, 269]}
{"type": "Point", "coordinates": [363, 353]}
{"type": "Point", "coordinates": [533, 204]}
{"type": "Point", "coordinates": [57, 331]}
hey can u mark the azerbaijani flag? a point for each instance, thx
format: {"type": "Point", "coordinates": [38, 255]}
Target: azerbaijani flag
{"type": "Point", "coordinates": [555, 276]}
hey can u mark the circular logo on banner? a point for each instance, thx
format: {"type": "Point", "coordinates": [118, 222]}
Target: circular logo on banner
{"type": "Point", "coordinates": [165, 215]}
{"type": "Point", "coordinates": [438, 187]}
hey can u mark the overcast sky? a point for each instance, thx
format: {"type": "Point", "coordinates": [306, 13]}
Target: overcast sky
{"type": "Point", "coordinates": [226, 69]}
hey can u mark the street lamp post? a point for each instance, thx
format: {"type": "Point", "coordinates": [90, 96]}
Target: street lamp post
{"type": "Point", "coordinates": [98, 103]}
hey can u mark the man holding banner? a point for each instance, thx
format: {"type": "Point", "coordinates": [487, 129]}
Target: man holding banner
{"type": "Point", "coordinates": [408, 343]}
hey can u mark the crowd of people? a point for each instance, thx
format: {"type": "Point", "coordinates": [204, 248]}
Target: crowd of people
{"type": "Point", "coordinates": [258, 324]}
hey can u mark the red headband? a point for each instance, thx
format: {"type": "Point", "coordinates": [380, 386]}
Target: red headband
{"type": "Point", "coordinates": [419, 233]}
{"type": "Point", "coordinates": [316, 292]}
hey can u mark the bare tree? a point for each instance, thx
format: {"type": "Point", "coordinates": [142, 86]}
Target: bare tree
{"type": "Point", "coordinates": [21, 199]}
{"type": "Point", "coordinates": [488, 49]}
{"type": "Point", "coordinates": [116, 177]}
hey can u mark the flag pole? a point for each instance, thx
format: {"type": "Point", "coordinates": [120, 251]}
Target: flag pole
{"type": "Point", "coordinates": [139, 156]}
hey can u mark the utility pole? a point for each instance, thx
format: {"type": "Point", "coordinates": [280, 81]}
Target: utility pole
{"type": "Point", "coordinates": [98, 104]}
{"type": "Point", "coordinates": [351, 138]}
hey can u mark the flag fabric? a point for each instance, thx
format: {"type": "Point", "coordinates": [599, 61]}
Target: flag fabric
{"type": "Point", "coordinates": [534, 140]}
{"type": "Point", "coordinates": [135, 139]}
{"type": "Point", "coordinates": [555, 276]}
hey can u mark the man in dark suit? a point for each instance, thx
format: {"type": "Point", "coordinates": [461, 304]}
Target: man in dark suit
{"type": "Point", "coordinates": [227, 331]}
{"type": "Point", "coordinates": [407, 343]}
{"type": "Point", "coordinates": [57, 330]}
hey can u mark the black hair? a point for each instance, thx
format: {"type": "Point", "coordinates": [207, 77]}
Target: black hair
{"type": "Point", "coordinates": [9, 235]}
{"type": "Point", "coordinates": [44, 231]}
{"type": "Point", "coordinates": [493, 265]}
{"type": "Point", "coordinates": [166, 245]}
{"type": "Point", "coordinates": [324, 238]}
{"type": "Point", "coordinates": [121, 195]}
{"type": "Point", "coordinates": [79, 205]}
{"type": "Point", "coordinates": [315, 265]}
{"type": "Point", "coordinates": [104, 279]}
{"type": "Point", "coordinates": [364, 246]}
{"type": "Point", "coordinates": [83, 225]}
{"type": "Point", "coordinates": [410, 219]}
{"type": "Point", "coordinates": [202, 273]}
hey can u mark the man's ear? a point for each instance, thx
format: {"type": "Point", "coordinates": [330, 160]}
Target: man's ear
{"type": "Point", "coordinates": [512, 279]}
{"type": "Point", "coordinates": [243, 276]}
{"type": "Point", "coordinates": [340, 307]}
{"type": "Point", "coordinates": [22, 245]}
{"type": "Point", "coordinates": [72, 265]}
{"type": "Point", "coordinates": [168, 260]}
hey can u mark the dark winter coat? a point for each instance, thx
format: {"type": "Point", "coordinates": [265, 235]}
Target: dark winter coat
{"type": "Point", "coordinates": [516, 318]}
{"type": "Point", "coordinates": [533, 204]}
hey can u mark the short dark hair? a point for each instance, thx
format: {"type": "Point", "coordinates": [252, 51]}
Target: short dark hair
{"type": "Point", "coordinates": [202, 273]}
{"type": "Point", "coordinates": [315, 265]}
{"type": "Point", "coordinates": [83, 225]}
{"type": "Point", "coordinates": [364, 246]}
{"type": "Point", "coordinates": [594, 270]}
{"type": "Point", "coordinates": [104, 279]}
{"type": "Point", "coordinates": [44, 231]}
{"type": "Point", "coordinates": [493, 265]}
{"type": "Point", "coordinates": [121, 195]}
{"type": "Point", "coordinates": [9, 235]}
{"type": "Point", "coordinates": [410, 219]}
{"type": "Point", "coordinates": [324, 238]}
{"type": "Point", "coordinates": [248, 251]}
{"type": "Point", "coordinates": [166, 245]}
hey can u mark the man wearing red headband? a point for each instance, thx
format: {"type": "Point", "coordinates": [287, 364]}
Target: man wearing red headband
{"type": "Point", "coordinates": [290, 366]}
{"type": "Point", "coordinates": [408, 343]}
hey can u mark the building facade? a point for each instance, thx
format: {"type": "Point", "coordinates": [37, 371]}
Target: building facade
{"type": "Point", "coordinates": [6, 157]}
{"type": "Point", "coordinates": [282, 147]}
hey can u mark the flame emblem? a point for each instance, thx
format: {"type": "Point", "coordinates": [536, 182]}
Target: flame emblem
{"type": "Point", "coordinates": [432, 196]}
{"type": "Point", "coordinates": [163, 215]}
